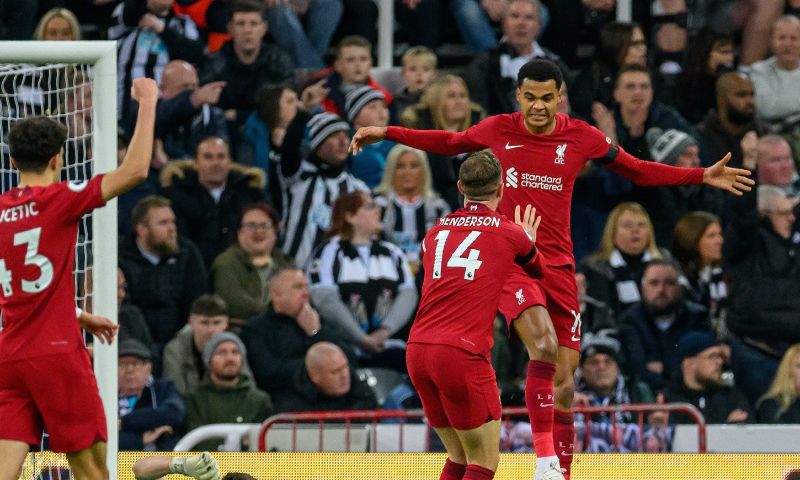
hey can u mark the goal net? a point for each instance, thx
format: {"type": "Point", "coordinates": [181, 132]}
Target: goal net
{"type": "Point", "coordinates": [72, 83]}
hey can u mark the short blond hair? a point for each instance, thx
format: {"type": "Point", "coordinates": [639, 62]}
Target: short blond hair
{"type": "Point", "coordinates": [422, 54]}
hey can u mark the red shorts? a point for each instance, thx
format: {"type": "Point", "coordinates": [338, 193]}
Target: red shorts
{"type": "Point", "coordinates": [556, 291]}
{"type": "Point", "coordinates": [57, 393]}
{"type": "Point", "coordinates": [457, 388]}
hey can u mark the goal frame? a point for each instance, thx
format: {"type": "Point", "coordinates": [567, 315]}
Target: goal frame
{"type": "Point", "coordinates": [102, 55]}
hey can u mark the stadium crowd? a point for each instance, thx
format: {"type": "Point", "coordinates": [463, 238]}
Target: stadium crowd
{"type": "Point", "coordinates": [264, 269]}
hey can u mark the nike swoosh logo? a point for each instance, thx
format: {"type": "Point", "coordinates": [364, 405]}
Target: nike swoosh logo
{"type": "Point", "coordinates": [509, 147]}
{"type": "Point", "coordinates": [543, 405]}
{"type": "Point", "coordinates": [576, 339]}
{"type": "Point", "coordinates": [565, 454]}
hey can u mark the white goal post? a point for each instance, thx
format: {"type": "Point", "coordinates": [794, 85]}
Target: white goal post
{"type": "Point", "coordinates": [102, 57]}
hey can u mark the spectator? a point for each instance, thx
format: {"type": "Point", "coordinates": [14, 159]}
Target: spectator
{"type": "Point", "coordinates": [651, 328]}
{"type": "Point", "coordinates": [245, 62]}
{"type": "Point", "coordinates": [183, 355]}
{"type": "Point", "coordinates": [445, 105]}
{"type": "Point", "coordinates": [362, 284]}
{"type": "Point", "coordinates": [366, 107]}
{"type": "Point", "coordinates": [409, 206]}
{"type": "Point", "coordinates": [723, 130]}
{"type": "Point", "coordinates": [695, 94]}
{"type": "Point", "coordinates": [419, 70]}
{"type": "Point", "coordinates": [187, 112]}
{"type": "Point", "coordinates": [775, 165]}
{"type": "Point", "coordinates": [226, 394]}
{"type": "Point", "coordinates": [278, 339]}
{"type": "Point", "coordinates": [308, 45]}
{"type": "Point", "coordinates": [601, 382]}
{"type": "Point", "coordinates": [325, 382]}
{"type": "Point", "coordinates": [619, 44]}
{"type": "Point", "coordinates": [350, 70]}
{"type": "Point", "coordinates": [613, 272]}
{"type": "Point", "coordinates": [700, 358]}
{"type": "Point", "coordinates": [595, 315]}
{"type": "Point", "coordinates": [418, 22]}
{"type": "Point", "coordinates": [58, 24]}
{"type": "Point", "coordinates": [777, 79]}
{"type": "Point", "coordinates": [636, 112]}
{"type": "Point", "coordinates": [149, 35]}
{"type": "Point", "coordinates": [780, 404]}
{"type": "Point", "coordinates": [151, 411]}
{"type": "Point", "coordinates": [697, 246]}
{"type": "Point", "coordinates": [131, 320]}
{"type": "Point", "coordinates": [474, 20]}
{"type": "Point", "coordinates": [761, 258]}
{"type": "Point", "coordinates": [242, 274]}
{"type": "Point", "coordinates": [668, 204]}
{"type": "Point", "coordinates": [208, 193]}
{"type": "Point", "coordinates": [312, 183]}
{"type": "Point", "coordinates": [492, 75]}
{"type": "Point", "coordinates": [165, 272]}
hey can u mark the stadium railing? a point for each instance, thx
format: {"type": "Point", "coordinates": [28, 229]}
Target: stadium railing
{"type": "Point", "coordinates": [346, 429]}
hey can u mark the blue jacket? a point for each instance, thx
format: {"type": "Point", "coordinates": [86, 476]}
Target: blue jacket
{"type": "Point", "coordinates": [368, 165]}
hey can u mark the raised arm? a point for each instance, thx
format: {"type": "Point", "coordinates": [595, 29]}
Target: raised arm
{"type": "Point", "coordinates": [134, 167]}
{"type": "Point", "coordinates": [434, 141]}
{"type": "Point", "coordinates": [648, 174]}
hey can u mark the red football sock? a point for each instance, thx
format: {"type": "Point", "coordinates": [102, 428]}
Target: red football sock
{"type": "Point", "coordinates": [476, 472]}
{"type": "Point", "coordinates": [452, 470]}
{"type": "Point", "coordinates": [564, 438]}
{"type": "Point", "coordinates": [539, 400]}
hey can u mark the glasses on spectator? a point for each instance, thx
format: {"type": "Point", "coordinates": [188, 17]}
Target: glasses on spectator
{"type": "Point", "coordinates": [253, 226]}
{"type": "Point", "coordinates": [130, 364]}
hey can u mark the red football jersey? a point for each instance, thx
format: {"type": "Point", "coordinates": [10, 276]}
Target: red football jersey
{"type": "Point", "coordinates": [541, 169]}
{"type": "Point", "coordinates": [38, 232]}
{"type": "Point", "coordinates": [465, 258]}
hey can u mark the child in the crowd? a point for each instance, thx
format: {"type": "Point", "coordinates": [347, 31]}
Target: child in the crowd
{"type": "Point", "coordinates": [350, 70]}
{"type": "Point", "coordinates": [419, 70]}
{"type": "Point", "coordinates": [365, 107]}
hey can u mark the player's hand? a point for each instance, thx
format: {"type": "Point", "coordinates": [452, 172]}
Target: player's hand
{"type": "Point", "coordinates": [144, 90]}
{"type": "Point", "coordinates": [734, 180]}
{"type": "Point", "coordinates": [366, 136]}
{"type": "Point", "coordinates": [207, 94]}
{"type": "Point", "coordinates": [529, 222]}
{"type": "Point", "coordinates": [101, 327]}
{"type": "Point", "coordinates": [201, 467]}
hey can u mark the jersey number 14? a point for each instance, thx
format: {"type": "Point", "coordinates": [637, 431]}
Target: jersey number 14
{"type": "Point", "coordinates": [470, 263]}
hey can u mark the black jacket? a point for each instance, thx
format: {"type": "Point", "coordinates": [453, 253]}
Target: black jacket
{"type": "Point", "coordinates": [643, 341]}
{"type": "Point", "coordinates": [211, 225]}
{"type": "Point", "coordinates": [715, 404]}
{"type": "Point", "coordinates": [276, 348]}
{"type": "Point", "coordinates": [495, 93]}
{"type": "Point", "coordinates": [273, 65]}
{"type": "Point", "coordinates": [763, 278]}
{"type": "Point", "coordinates": [163, 292]}
{"type": "Point", "coordinates": [159, 404]}
{"type": "Point", "coordinates": [303, 396]}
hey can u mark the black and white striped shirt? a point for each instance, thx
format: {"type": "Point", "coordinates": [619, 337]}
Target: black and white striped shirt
{"type": "Point", "coordinates": [368, 279]}
{"type": "Point", "coordinates": [309, 195]}
{"type": "Point", "coordinates": [406, 223]}
{"type": "Point", "coordinates": [142, 52]}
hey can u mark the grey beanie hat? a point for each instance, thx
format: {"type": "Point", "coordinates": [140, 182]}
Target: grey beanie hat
{"type": "Point", "coordinates": [216, 340]}
{"type": "Point", "coordinates": [358, 98]}
{"type": "Point", "coordinates": [666, 146]}
{"type": "Point", "coordinates": [322, 126]}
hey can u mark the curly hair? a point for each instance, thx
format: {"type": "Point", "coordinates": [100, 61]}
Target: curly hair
{"type": "Point", "coordinates": [33, 141]}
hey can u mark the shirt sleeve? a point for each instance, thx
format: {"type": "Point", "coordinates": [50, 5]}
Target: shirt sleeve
{"type": "Point", "coordinates": [443, 142]}
{"type": "Point", "coordinates": [75, 199]}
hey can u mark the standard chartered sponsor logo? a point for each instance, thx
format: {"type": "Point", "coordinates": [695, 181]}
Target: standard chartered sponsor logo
{"type": "Point", "coordinates": [541, 182]}
{"type": "Point", "coordinates": [511, 177]}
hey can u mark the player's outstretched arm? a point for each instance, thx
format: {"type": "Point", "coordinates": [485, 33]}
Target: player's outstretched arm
{"type": "Point", "coordinates": [134, 167]}
{"type": "Point", "coordinates": [202, 467]}
{"type": "Point", "coordinates": [366, 136]}
{"type": "Point", "coordinates": [529, 221]}
{"type": "Point", "coordinates": [734, 180]}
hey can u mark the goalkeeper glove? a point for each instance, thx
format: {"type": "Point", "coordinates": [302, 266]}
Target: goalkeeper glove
{"type": "Point", "coordinates": [201, 467]}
